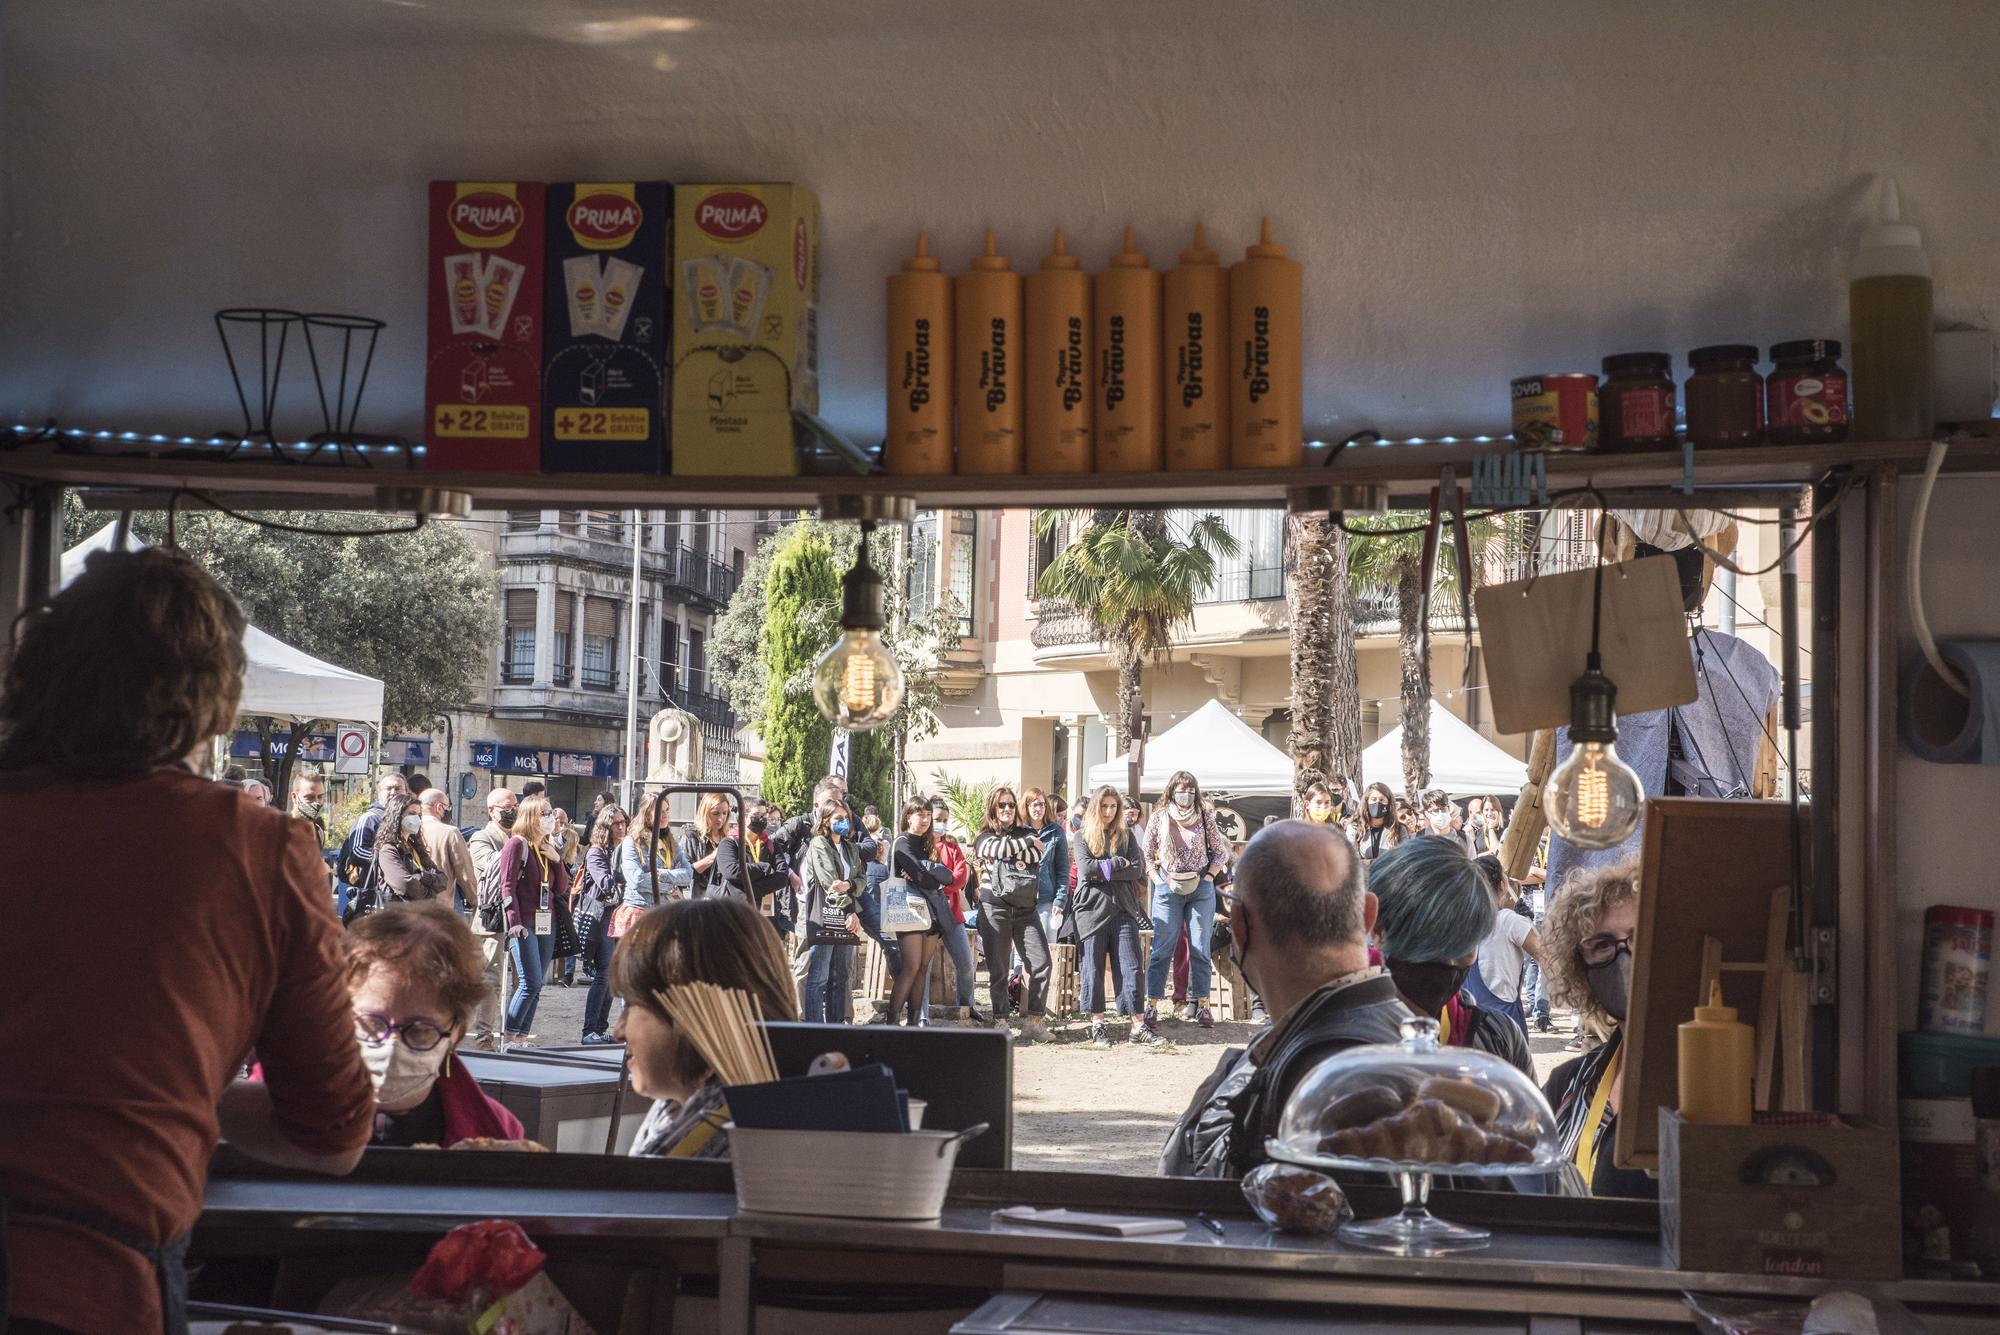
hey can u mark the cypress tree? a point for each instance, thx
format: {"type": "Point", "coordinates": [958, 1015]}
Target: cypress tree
{"type": "Point", "coordinates": [797, 738]}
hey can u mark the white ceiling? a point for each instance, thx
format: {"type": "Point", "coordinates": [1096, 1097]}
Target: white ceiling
{"type": "Point", "coordinates": [1477, 190]}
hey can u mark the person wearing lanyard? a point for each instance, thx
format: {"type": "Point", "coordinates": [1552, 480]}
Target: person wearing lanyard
{"type": "Point", "coordinates": [228, 944]}
{"type": "Point", "coordinates": [535, 886]}
{"type": "Point", "coordinates": [1587, 955]}
{"type": "Point", "coordinates": [1434, 911]}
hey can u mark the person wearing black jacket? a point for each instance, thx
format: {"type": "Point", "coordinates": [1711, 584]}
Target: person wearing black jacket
{"type": "Point", "coordinates": [749, 860]}
{"type": "Point", "coordinates": [702, 842]}
{"type": "Point", "coordinates": [1299, 933]}
{"type": "Point", "coordinates": [1008, 918]}
{"type": "Point", "coordinates": [915, 861]}
{"type": "Point", "coordinates": [1107, 909]}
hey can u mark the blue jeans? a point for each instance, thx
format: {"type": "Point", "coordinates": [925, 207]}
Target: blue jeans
{"type": "Point", "coordinates": [597, 1002]}
{"type": "Point", "coordinates": [1118, 941]}
{"type": "Point", "coordinates": [1487, 1000]}
{"type": "Point", "coordinates": [826, 984]}
{"type": "Point", "coordinates": [1171, 912]}
{"type": "Point", "coordinates": [1534, 996]}
{"type": "Point", "coordinates": [531, 955]}
{"type": "Point", "coordinates": [869, 910]}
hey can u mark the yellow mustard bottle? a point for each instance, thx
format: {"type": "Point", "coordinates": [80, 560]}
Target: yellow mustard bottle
{"type": "Point", "coordinates": [1717, 1057]}
{"type": "Point", "coordinates": [919, 442]}
{"type": "Point", "coordinates": [1058, 364]}
{"type": "Point", "coordinates": [1195, 303]}
{"type": "Point", "coordinates": [987, 346]}
{"type": "Point", "coordinates": [1126, 311]}
{"type": "Point", "coordinates": [1267, 335]}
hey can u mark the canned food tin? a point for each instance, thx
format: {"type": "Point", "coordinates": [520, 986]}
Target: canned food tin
{"type": "Point", "coordinates": [1958, 955]}
{"type": "Point", "coordinates": [1555, 412]}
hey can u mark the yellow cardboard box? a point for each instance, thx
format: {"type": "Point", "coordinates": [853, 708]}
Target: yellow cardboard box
{"type": "Point", "coordinates": [746, 326]}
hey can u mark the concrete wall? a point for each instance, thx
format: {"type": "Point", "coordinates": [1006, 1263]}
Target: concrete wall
{"type": "Point", "coordinates": [1477, 191]}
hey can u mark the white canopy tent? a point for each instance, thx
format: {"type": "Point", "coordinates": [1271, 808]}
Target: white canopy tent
{"type": "Point", "coordinates": [1462, 762]}
{"type": "Point", "coordinates": [278, 680]}
{"type": "Point", "coordinates": [1218, 748]}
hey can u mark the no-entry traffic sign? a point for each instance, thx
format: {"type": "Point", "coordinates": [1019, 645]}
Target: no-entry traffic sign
{"type": "Point", "coordinates": [350, 751]}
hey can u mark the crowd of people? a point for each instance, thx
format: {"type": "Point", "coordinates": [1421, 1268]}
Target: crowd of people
{"type": "Point", "coordinates": [303, 1025]}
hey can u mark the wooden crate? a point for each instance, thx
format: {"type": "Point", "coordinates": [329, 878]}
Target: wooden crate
{"type": "Point", "coordinates": [1780, 1200]}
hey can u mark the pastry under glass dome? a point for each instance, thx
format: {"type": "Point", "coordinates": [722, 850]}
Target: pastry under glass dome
{"type": "Point", "coordinates": [1412, 1110]}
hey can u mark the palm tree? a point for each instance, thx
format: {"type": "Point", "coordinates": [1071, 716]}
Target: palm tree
{"type": "Point", "coordinates": [1326, 695]}
{"type": "Point", "coordinates": [1136, 580]}
{"type": "Point", "coordinates": [1393, 563]}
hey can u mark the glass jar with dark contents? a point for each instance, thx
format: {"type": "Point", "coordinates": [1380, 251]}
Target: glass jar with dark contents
{"type": "Point", "coordinates": [1725, 396]}
{"type": "Point", "coordinates": [1635, 405]}
{"type": "Point", "coordinates": [1805, 396]}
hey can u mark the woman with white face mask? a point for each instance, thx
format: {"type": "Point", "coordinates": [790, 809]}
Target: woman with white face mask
{"type": "Point", "coordinates": [416, 978]}
{"type": "Point", "coordinates": [401, 860]}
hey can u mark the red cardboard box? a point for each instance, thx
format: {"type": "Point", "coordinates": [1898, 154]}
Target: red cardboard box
{"type": "Point", "coordinates": [482, 381]}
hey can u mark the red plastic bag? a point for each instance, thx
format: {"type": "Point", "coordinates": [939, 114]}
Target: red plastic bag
{"type": "Point", "coordinates": [494, 1257]}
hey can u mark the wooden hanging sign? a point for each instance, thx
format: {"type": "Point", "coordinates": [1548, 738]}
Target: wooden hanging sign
{"type": "Point", "coordinates": [1535, 635]}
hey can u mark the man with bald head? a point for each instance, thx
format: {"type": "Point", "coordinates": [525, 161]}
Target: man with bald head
{"type": "Point", "coordinates": [485, 847]}
{"type": "Point", "coordinates": [1299, 922]}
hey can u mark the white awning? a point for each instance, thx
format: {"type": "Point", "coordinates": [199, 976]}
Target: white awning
{"type": "Point", "coordinates": [1223, 753]}
{"type": "Point", "coordinates": [1462, 762]}
{"type": "Point", "coordinates": [278, 680]}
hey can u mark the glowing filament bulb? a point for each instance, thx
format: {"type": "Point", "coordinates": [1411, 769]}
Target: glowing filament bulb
{"type": "Point", "coordinates": [1593, 796]}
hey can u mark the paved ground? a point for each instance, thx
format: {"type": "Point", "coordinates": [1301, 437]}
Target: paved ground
{"type": "Point", "coordinates": [1077, 1108]}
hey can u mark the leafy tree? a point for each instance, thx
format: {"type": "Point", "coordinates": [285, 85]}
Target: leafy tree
{"type": "Point", "coordinates": [417, 609]}
{"type": "Point", "coordinates": [919, 639]}
{"type": "Point", "coordinates": [1326, 693]}
{"type": "Point", "coordinates": [1393, 562]}
{"type": "Point", "coordinates": [1136, 580]}
{"type": "Point", "coordinates": [800, 576]}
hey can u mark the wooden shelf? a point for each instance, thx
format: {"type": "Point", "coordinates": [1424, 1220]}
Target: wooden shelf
{"type": "Point", "coordinates": [1405, 470]}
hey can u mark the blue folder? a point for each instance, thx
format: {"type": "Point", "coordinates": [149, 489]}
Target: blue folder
{"type": "Point", "coordinates": [865, 1099]}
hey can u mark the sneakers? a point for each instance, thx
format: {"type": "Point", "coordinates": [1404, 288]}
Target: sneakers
{"type": "Point", "coordinates": [1147, 1037]}
{"type": "Point", "coordinates": [597, 1040]}
{"type": "Point", "coordinates": [1001, 1025]}
{"type": "Point", "coordinates": [1190, 1013]}
{"type": "Point", "coordinates": [1035, 1031]}
{"type": "Point", "coordinates": [1542, 1025]}
{"type": "Point", "coordinates": [972, 1016]}
{"type": "Point", "coordinates": [1098, 1038]}
{"type": "Point", "coordinates": [1151, 1018]}
{"type": "Point", "coordinates": [1574, 1045]}
{"type": "Point", "coordinates": [1204, 1017]}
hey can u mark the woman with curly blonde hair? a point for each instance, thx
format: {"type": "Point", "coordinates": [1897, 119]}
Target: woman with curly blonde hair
{"type": "Point", "coordinates": [1587, 963]}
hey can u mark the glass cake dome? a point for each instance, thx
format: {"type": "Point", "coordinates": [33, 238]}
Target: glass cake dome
{"type": "Point", "coordinates": [1411, 1110]}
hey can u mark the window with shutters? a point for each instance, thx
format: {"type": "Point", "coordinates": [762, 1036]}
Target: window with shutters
{"type": "Point", "coordinates": [922, 583]}
{"type": "Point", "coordinates": [670, 657]}
{"type": "Point", "coordinates": [600, 643]}
{"type": "Point", "coordinates": [565, 639]}
{"type": "Point", "coordinates": [603, 524]}
{"type": "Point", "coordinates": [523, 521]}
{"type": "Point", "coordinates": [517, 663]}
{"type": "Point", "coordinates": [671, 530]}
{"type": "Point", "coordinates": [697, 661]}
{"type": "Point", "coordinates": [697, 530]}
{"type": "Point", "coordinates": [962, 546]}
{"type": "Point", "coordinates": [569, 521]}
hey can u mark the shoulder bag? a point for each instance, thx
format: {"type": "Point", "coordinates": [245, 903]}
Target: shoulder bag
{"type": "Point", "coordinates": [904, 909]}
{"type": "Point", "coordinates": [825, 925]}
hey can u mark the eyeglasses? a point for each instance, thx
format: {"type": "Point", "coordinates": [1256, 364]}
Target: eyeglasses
{"type": "Point", "coordinates": [417, 1035]}
{"type": "Point", "coordinates": [1598, 951]}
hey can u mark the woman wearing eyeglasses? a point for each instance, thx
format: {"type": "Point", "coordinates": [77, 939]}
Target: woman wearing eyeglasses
{"type": "Point", "coordinates": [416, 978]}
{"type": "Point", "coordinates": [1587, 963]}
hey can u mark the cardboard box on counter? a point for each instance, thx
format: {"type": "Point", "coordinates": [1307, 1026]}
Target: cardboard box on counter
{"type": "Point", "coordinates": [746, 326]}
{"type": "Point", "coordinates": [482, 379]}
{"type": "Point", "coordinates": [1780, 1199]}
{"type": "Point", "coordinates": [605, 340]}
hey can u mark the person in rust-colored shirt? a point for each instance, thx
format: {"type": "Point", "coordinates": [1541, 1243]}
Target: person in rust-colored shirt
{"type": "Point", "coordinates": [134, 1000]}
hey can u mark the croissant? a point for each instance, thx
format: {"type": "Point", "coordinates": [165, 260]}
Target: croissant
{"type": "Point", "coordinates": [1428, 1131]}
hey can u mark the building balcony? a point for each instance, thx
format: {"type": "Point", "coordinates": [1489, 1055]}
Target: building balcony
{"type": "Point", "coordinates": [690, 575]}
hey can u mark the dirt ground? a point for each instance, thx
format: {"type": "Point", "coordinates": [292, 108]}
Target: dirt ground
{"type": "Point", "coordinates": [1078, 1109]}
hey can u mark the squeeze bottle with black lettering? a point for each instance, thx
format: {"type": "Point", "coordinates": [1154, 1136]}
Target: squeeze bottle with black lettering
{"type": "Point", "coordinates": [1058, 365]}
{"type": "Point", "coordinates": [1196, 322]}
{"type": "Point", "coordinates": [1126, 310]}
{"type": "Point", "coordinates": [919, 440]}
{"type": "Point", "coordinates": [987, 345]}
{"type": "Point", "coordinates": [1267, 399]}
{"type": "Point", "coordinates": [1891, 345]}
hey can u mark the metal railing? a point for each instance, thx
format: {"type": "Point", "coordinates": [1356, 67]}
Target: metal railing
{"type": "Point", "coordinates": [1058, 623]}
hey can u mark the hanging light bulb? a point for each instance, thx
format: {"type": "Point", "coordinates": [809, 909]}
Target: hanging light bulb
{"type": "Point", "coordinates": [858, 683]}
{"type": "Point", "coordinates": [1595, 799]}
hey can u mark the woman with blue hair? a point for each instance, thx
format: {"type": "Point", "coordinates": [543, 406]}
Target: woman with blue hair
{"type": "Point", "coordinates": [1434, 913]}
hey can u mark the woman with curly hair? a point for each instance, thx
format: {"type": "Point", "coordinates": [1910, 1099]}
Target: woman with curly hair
{"type": "Point", "coordinates": [1587, 963]}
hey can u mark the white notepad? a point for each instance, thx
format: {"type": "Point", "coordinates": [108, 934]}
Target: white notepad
{"type": "Point", "coordinates": [1078, 1221]}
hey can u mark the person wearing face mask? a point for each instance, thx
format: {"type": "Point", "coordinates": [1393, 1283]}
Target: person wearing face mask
{"type": "Point", "coordinates": [1587, 963]}
{"type": "Point", "coordinates": [1435, 912]}
{"type": "Point", "coordinates": [1321, 809]}
{"type": "Point", "coordinates": [748, 859]}
{"type": "Point", "coordinates": [485, 846]}
{"type": "Point", "coordinates": [1375, 830]}
{"type": "Point", "coordinates": [1186, 850]}
{"type": "Point", "coordinates": [403, 867]}
{"type": "Point", "coordinates": [416, 979]}
{"type": "Point", "coordinates": [835, 875]}
{"type": "Point", "coordinates": [1299, 921]}
{"type": "Point", "coordinates": [950, 854]}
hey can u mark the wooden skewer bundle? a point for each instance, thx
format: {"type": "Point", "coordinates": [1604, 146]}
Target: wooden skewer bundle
{"type": "Point", "coordinates": [726, 1026]}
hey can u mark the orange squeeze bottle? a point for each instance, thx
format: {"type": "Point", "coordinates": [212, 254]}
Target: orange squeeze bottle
{"type": "Point", "coordinates": [987, 343]}
{"type": "Point", "coordinates": [1267, 401]}
{"type": "Point", "coordinates": [919, 439]}
{"type": "Point", "coordinates": [1058, 365]}
{"type": "Point", "coordinates": [1196, 321]}
{"type": "Point", "coordinates": [1126, 298]}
